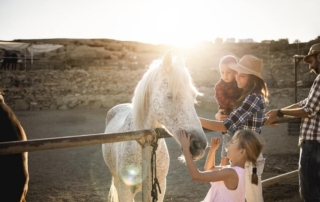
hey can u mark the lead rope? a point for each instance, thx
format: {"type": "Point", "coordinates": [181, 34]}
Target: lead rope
{"type": "Point", "coordinates": [155, 182]}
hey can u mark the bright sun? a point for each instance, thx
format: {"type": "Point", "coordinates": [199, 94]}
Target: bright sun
{"type": "Point", "coordinates": [176, 23]}
{"type": "Point", "coordinates": [179, 22]}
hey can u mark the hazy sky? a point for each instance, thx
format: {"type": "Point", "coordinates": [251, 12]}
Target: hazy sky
{"type": "Point", "coordinates": [160, 21]}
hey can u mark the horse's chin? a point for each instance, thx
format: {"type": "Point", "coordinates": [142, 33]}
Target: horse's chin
{"type": "Point", "coordinates": [198, 155]}
{"type": "Point", "coordinates": [194, 157]}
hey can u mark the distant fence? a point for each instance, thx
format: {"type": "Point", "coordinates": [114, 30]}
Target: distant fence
{"type": "Point", "coordinates": [36, 64]}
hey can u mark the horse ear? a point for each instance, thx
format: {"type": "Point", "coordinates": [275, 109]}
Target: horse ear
{"type": "Point", "coordinates": [179, 61]}
{"type": "Point", "coordinates": [167, 60]}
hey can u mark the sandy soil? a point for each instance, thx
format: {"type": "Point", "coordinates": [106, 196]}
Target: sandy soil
{"type": "Point", "coordinates": [80, 174]}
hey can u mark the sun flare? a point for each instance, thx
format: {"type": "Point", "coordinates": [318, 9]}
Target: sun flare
{"type": "Point", "coordinates": [176, 23]}
{"type": "Point", "coordinates": [180, 23]}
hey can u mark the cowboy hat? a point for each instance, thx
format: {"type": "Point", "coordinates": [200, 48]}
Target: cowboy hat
{"type": "Point", "coordinates": [315, 49]}
{"type": "Point", "coordinates": [248, 64]}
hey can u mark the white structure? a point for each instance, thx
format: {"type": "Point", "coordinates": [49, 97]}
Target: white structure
{"type": "Point", "coordinates": [230, 40]}
{"type": "Point", "coordinates": [249, 40]}
{"type": "Point", "coordinates": [30, 47]}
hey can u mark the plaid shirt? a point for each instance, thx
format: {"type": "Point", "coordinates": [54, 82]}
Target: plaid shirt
{"type": "Point", "coordinates": [310, 127]}
{"type": "Point", "coordinates": [226, 94]}
{"type": "Point", "coordinates": [248, 116]}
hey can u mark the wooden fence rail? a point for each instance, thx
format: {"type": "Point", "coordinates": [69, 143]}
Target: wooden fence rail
{"type": "Point", "coordinates": [91, 139]}
{"type": "Point", "coordinates": [76, 141]}
{"type": "Point", "coordinates": [279, 178]}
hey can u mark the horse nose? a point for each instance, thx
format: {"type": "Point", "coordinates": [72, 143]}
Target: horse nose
{"type": "Point", "coordinates": [196, 144]}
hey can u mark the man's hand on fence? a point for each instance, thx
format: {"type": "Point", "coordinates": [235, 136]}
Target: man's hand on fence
{"type": "Point", "coordinates": [272, 116]}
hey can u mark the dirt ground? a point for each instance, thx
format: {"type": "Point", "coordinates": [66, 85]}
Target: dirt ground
{"type": "Point", "coordinates": [79, 174]}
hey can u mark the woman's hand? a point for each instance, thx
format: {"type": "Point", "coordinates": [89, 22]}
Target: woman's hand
{"type": "Point", "coordinates": [215, 143]}
{"type": "Point", "coordinates": [184, 140]}
{"type": "Point", "coordinates": [220, 116]}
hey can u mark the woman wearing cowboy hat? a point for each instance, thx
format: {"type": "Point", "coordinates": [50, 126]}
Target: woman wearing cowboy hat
{"type": "Point", "coordinates": [309, 139]}
{"type": "Point", "coordinates": [248, 113]}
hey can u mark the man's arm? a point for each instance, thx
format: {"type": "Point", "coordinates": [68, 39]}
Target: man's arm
{"type": "Point", "coordinates": [293, 106]}
{"type": "Point", "coordinates": [294, 110]}
{"type": "Point", "coordinates": [291, 110]}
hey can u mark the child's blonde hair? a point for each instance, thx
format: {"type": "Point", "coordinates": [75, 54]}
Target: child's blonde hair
{"type": "Point", "coordinates": [228, 59]}
{"type": "Point", "coordinates": [252, 143]}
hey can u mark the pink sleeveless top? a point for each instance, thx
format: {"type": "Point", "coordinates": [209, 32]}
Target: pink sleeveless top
{"type": "Point", "coordinates": [220, 193]}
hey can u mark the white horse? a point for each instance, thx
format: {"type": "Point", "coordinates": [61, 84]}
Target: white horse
{"type": "Point", "coordinates": [164, 97]}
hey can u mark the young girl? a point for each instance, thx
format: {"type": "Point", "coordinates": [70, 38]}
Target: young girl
{"type": "Point", "coordinates": [248, 114]}
{"type": "Point", "coordinates": [227, 183]}
{"type": "Point", "coordinates": [226, 93]}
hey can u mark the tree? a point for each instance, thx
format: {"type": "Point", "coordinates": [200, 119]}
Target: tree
{"type": "Point", "coordinates": [297, 41]}
{"type": "Point", "coordinates": [280, 45]}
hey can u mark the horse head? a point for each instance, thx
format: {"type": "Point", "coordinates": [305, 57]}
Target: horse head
{"type": "Point", "coordinates": [165, 97]}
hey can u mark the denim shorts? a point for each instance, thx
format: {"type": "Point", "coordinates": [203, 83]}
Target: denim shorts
{"type": "Point", "coordinates": [309, 170]}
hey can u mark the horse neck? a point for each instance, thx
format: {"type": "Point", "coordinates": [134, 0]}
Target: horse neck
{"type": "Point", "coordinates": [151, 122]}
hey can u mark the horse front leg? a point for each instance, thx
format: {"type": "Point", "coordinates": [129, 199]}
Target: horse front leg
{"type": "Point", "coordinates": [125, 192]}
{"type": "Point", "coordinates": [119, 191]}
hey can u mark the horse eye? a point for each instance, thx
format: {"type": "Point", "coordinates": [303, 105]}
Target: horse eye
{"type": "Point", "coordinates": [169, 95]}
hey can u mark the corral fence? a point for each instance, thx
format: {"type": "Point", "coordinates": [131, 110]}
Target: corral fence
{"type": "Point", "coordinates": [141, 136]}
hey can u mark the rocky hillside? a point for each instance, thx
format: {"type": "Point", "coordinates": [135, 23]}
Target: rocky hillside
{"type": "Point", "coordinates": [102, 72]}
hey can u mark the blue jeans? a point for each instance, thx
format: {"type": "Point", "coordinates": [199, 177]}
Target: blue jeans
{"type": "Point", "coordinates": [309, 171]}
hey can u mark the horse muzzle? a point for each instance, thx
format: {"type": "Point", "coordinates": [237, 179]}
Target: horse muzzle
{"type": "Point", "coordinates": [197, 147]}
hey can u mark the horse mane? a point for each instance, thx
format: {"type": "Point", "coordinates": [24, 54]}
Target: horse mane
{"type": "Point", "coordinates": [180, 81]}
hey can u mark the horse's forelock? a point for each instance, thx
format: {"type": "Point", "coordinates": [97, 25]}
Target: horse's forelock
{"type": "Point", "coordinates": [180, 81]}
{"type": "Point", "coordinates": [1, 99]}
{"type": "Point", "coordinates": [141, 96]}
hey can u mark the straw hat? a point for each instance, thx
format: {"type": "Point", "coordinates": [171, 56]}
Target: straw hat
{"type": "Point", "coordinates": [248, 64]}
{"type": "Point", "coordinates": [315, 49]}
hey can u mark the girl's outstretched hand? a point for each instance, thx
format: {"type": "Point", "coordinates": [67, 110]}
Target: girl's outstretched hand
{"type": "Point", "coordinates": [215, 143]}
{"type": "Point", "coordinates": [184, 140]}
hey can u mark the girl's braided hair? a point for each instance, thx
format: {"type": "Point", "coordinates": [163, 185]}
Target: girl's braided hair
{"type": "Point", "coordinates": [253, 144]}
